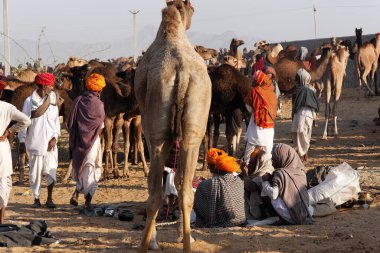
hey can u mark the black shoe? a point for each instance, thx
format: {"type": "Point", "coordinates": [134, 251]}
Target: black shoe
{"type": "Point", "coordinates": [36, 204]}
{"type": "Point", "coordinates": [50, 204]}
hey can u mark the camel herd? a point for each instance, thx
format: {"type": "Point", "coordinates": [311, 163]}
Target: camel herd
{"type": "Point", "coordinates": [167, 93]}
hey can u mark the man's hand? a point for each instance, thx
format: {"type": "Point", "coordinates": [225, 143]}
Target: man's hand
{"type": "Point", "coordinates": [52, 144]}
{"type": "Point", "coordinates": [5, 135]}
{"type": "Point", "coordinates": [266, 177]}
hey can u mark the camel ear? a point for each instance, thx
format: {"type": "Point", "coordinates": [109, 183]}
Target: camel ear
{"type": "Point", "coordinates": [187, 3]}
{"type": "Point", "coordinates": [169, 2]}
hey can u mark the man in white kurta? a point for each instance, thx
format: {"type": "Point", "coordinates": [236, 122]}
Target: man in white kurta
{"type": "Point", "coordinates": [41, 137]}
{"type": "Point", "coordinates": [8, 113]}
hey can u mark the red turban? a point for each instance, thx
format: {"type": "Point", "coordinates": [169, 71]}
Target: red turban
{"type": "Point", "coordinates": [2, 84]}
{"type": "Point", "coordinates": [45, 79]}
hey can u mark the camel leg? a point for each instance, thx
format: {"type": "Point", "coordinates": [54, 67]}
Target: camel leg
{"type": "Point", "coordinates": [216, 130]}
{"type": "Point", "coordinates": [189, 155]}
{"type": "Point", "coordinates": [140, 144]}
{"type": "Point", "coordinates": [377, 92]}
{"type": "Point", "coordinates": [68, 173]}
{"type": "Point", "coordinates": [364, 80]}
{"type": "Point", "coordinates": [158, 155]}
{"type": "Point", "coordinates": [115, 143]}
{"type": "Point", "coordinates": [21, 161]}
{"type": "Point", "coordinates": [126, 132]}
{"type": "Point", "coordinates": [327, 107]}
{"type": "Point", "coordinates": [206, 140]}
{"type": "Point", "coordinates": [374, 76]}
{"type": "Point", "coordinates": [108, 123]}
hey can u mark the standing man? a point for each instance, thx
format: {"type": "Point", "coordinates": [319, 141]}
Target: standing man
{"type": "Point", "coordinates": [41, 137]}
{"type": "Point", "coordinates": [8, 113]}
{"type": "Point", "coordinates": [262, 103]}
{"type": "Point", "coordinates": [85, 124]}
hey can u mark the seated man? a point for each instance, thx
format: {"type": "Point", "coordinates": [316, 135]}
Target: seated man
{"type": "Point", "coordinates": [287, 187]}
{"type": "Point", "coordinates": [260, 164]}
{"type": "Point", "coordinates": [219, 202]}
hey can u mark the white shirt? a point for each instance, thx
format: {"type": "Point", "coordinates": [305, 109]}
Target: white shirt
{"type": "Point", "coordinates": [9, 113]}
{"type": "Point", "coordinates": [259, 136]}
{"type": "Point", "coordinates": [43, 128]}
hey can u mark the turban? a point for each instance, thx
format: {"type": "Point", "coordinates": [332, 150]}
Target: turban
{"type": "Point", "coordinates": [213, 155]}
{"type": "Point", "coordinates": [2, 84]}
{"type": "Point", "coordinates": [46, 79]}
{"type": "Point", "coordinates": [95, 82]}
{"type": "Point", "coordinates": [227, 164]}
{"type": "Point", "coordinates": [222, 161]}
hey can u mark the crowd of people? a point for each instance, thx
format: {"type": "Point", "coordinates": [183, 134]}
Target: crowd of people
{"type": "Point", "coordinates": [272, 181]}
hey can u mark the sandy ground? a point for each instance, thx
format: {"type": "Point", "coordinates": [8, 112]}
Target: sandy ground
{"type": "Point", "coordinates": [352, 230]}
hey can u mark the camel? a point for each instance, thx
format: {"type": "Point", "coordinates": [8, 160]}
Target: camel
{"type": "Point", "coordinates": [273, 55]}
{"type": "Point", "coordinates": [234, 55]}
{"type": "Point", "coordinates": [75, 62]}
{"type": "Point", "coordinates": [20, 78]}
{"type": "Point", "coordinates": [173, 90]}
{"type": "Point", "coordinates": [206, 53]}
{"type": "Point", "coordinates": [286, 69]}
{"type": "Point", "coordinates": [367, 60]}
{"type": "Point", "coordinates": [333, 80]}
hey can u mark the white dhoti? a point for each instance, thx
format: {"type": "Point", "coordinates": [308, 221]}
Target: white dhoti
{"type": "Point", "coordinates": [5, 190]}
{"type": "Point", "coordinates": [42, 165]}
{"type": "Point", "coordinates": [91, 171]}
{"type": "Point", "coordinates": [302, 126]}
{"type": "Point", "coordinates": [257, 136]}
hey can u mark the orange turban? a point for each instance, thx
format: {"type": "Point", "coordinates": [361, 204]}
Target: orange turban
{"type": "Point", "coordinates": [222, 161]}
{"type": "Point", "coordinates": [227, 164]}
{"type": "Point", "coordinates": [213, 155]}
{"type": "Point", "coordinates": [3, 84]}
{"type": "Point", "coordinates": [95, 82]}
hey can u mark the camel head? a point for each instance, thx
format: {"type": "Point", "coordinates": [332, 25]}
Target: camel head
{"type": "Point", "coordinates": [206, 53]}
{"type": "Point", "coordinates": [263, 45]}
{"type": "Point", "coordinates": [235, 43]}
{"type": "Point", "coordinates": [358, 32]}
{"type": "Point", "coordinates": [185, 9]}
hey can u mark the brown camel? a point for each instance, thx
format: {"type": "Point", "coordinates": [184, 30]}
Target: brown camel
{"type": "Point", "coordinates": [206, 53]}
{"type": "Point", "coordinates": [22, 77]}
{"type": "Point", "coordinates": [235, 56]}
{"type": "Point", "coordinates": [333, 80]}
{"type": "Point", "coordinates": [286, 69]}
{"type": "Point", "coordinates": [173, 90]}
{"type": "Point", "coordinates": [367, 60]}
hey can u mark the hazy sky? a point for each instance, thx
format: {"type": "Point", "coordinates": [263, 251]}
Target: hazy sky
{"type": "Point", "coordinates": [276, 20]}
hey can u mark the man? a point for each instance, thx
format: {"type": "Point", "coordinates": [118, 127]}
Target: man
{"type": "Point", "coordinates": [305, 106]}
{"type": "Point", "coordinates": [85, 124]}
{"type": "Point", "coordinates": [262, 102]}
{"type": "Point", "coordinates": [219, 202]}
{"type": "Point", "coordinates": [41, 137]}
{"type": "Point", "coordinates": [8, 113]}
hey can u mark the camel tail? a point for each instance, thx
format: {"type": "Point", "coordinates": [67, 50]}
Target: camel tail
{"type": "Point", "coordinates": [180, 88]}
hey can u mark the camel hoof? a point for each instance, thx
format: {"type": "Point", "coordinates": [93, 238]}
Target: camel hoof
{"type": "Point", "coordinates": [180, 239]}
{"type": "Point", "coordinates": [153, 245]}
{"type": "Point", "coordinates": [324, 137]}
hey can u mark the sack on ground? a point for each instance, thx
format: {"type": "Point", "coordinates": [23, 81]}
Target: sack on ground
{"type": "Point", "coordinates": [340, 185]}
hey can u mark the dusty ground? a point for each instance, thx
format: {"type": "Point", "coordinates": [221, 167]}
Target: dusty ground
{"type": "Point", "coordinates": [353, 230]}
